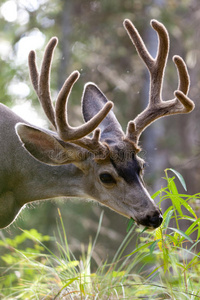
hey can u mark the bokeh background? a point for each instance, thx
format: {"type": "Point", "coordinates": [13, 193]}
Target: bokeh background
{"type": "Point", "coordinates": [92, 40]}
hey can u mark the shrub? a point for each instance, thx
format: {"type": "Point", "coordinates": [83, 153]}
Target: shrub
{"type": "Point", "coordinates": [164, 264]}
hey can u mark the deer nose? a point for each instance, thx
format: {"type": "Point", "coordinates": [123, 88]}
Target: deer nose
{"type": "Point", "coordinates": [156, 221]}
{"type": "Point", "coordinates": [152, 221]}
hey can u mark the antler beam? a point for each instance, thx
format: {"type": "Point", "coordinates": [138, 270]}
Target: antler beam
{"type": "Point", "coordinates": [158, 108]}
{"type": "Point", "coordinates": [58, 115]}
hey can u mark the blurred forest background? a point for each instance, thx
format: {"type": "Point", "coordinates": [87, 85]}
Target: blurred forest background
{"type": "Point", "coordinates": [92, 40]}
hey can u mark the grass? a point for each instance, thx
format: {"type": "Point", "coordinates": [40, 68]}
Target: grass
{"type": "Point", "coordinates": [164, 264]}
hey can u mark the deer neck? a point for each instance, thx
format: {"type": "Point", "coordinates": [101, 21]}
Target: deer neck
{"type": "Point", "coordinates": [51, 182]}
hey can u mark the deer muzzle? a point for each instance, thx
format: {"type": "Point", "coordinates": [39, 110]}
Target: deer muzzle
{"type": "Point", "coordinates": [151, 220]}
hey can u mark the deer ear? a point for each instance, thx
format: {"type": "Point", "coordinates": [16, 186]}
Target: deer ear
{"type": "Point", "coordinates": [92, 101]}
{"type": "Point", "coordinates": [45, 147]}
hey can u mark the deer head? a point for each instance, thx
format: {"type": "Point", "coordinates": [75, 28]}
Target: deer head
{"type": "Point", "coordinates": [108, 160]}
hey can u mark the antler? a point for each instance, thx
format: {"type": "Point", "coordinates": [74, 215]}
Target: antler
{"type": "Point", "coordinates": [158, 108]}
{"type": "Point", "coordinates": [58, 115]}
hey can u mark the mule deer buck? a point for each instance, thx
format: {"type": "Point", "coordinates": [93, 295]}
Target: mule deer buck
{"type": "Point", "coordinates": [71, 163]}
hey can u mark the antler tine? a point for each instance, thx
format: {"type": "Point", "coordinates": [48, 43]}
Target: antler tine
{"type": "Point", "coordinates": [33, 70]}
{"type": "Point", "coordinates": [184, 79]}
{"type": "Point", "coordinates": [41, 83]}
{"type": "Point", "coordinates": [136, 39]}
{"type": "Point", "coordinates": [155, 66]}
{"type": "Point", "coordinates": [66, 132]}
{"type": "Point", "coordinates": [183, 87]}
{"type": "Point", "coordinates": [138, 42]}
{"type": "Point", "coordinates": [158, 108]}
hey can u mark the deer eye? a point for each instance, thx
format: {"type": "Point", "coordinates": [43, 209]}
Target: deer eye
{"type": "Point", "coordinates": [107, 178]}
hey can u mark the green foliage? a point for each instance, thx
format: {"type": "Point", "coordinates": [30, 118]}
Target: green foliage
{"type": "Point", "coordinates": [164, 264]}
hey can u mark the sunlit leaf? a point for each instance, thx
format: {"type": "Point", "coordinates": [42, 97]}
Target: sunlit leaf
{"type": "Point", "coordinates": [176, 202]}
{"type": "Point", "coordinates": [156, 194]}
{"type": "Point", "coordinates": [172, 186]}
{"type": "Point", "coordinates": [180, 177]}
{"type": "Point", "coordinates": [118, 274]}
{"type": "Point", "coordinates": [188, 207]}
{"type": "Point", "coordinates": [159, 237]}
{"type": "Point", "coordinates": [167, 217]}
{"type": "Point", "coordinates": [9, 259]}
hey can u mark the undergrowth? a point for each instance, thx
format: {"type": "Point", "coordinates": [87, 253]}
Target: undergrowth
{"type": "Point", "coordinates": [164, 264]}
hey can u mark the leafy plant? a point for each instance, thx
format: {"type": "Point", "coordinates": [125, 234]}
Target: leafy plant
{"type": "Point", "coordinates": [164, 264]}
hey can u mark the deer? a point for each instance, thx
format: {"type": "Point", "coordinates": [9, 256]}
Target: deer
{"type": "Point", "coordinates": [96, 160]}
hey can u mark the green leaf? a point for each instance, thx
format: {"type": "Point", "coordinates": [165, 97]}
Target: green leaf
{"type": "Point", "coordinates": [172, 186]}
{"type": "Point", "coordinates": [167, 217]}
{"type": "Point", "coordinates": [180, 177]}
{"type": "Point", "coordinates": [118, 274]}
{"type": "Point", "coordinates": [141, 248]}
{"type": "Point", "coordinates": [188, 207]}
{"type": "Point", "coordinates": [176, 202]}
{"type": "Point", "coordinates": [171, 239]}
{"type": "Point", "coordinates": [152, 247]}
{"type": "Point", "coordinates": [182, 234]}
{"type": "Point", "coordinates": [130, 224]}
{"type": "Point", "coordinates": [69, 281]}
{"type": "Point", "coordinates": [82, 288]}
{"type": "Point", "coordinates": [156, 194]}
{"type": "Point", "coordinates": [192, 228]}
{"type": "Point", "coordinates": [144, 229]}
{"type": "Point", "coordinates": [9, 259]}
